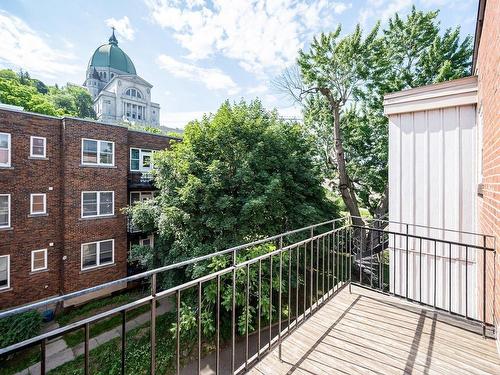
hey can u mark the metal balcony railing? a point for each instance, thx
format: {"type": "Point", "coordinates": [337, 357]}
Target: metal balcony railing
{"type": "Point", "coordinates": [309, 266]}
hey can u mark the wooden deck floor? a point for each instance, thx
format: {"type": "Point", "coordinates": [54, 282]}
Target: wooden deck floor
{"type": "Point", "coordinates": [370, 333]}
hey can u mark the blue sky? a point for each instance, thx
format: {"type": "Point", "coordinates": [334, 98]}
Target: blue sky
{"type": "Point", "coordinates": [196, 53]}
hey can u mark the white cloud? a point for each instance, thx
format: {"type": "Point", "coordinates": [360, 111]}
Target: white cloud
{"type": "Point", "coordinates": [381, 10]}
{"type": "Point", "coordinates": [122, 26]}
{"type": "Point", "coordinates": [180, 119]}
{"type": "Point", "coordinates": [259, 89]}
{"type": "Point", "coordinates": [261, 35]}
{"type": "Point", "coordinates": [22, 47]}
{"type": "Point", "coordinates": [212, 78]}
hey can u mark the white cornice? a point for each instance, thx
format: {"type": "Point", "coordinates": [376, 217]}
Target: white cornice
{"type": "Point", "coordinates": [458, 92]}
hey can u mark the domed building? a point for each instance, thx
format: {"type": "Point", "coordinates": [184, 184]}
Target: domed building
{"type": "Point", "coordinates": [119, 94]}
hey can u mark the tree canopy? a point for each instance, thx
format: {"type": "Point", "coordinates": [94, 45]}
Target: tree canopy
{"type": "Point", "coordinates": [34, 96]}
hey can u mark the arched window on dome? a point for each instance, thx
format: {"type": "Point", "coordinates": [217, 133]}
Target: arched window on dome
{"type": "Point", "coordinates": [104, 74]}
{"type": "Point", "coordinates": [133, 93]}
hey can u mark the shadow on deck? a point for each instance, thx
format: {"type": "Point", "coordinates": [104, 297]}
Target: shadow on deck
{"type": "Point", "coordinates": [370, 333]}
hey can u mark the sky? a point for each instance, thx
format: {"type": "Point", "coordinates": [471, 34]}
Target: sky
{"type": "Point", "coordinates": [195, 53]}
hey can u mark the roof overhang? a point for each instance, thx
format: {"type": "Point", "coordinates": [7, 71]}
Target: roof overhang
{"type": "Point", "coordinates": [479, 31]}
{"type": "Point", "coordinates": [453, 93]}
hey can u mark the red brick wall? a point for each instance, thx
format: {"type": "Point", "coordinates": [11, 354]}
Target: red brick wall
{"type": "Point", "coordinates": [488, 71]}
{"type": "Point", "coordinates": [28, 176]}
{"type": "Point", "coordinates": [63, 178]}
{"type": "Point", "coordinates": [80, 178]}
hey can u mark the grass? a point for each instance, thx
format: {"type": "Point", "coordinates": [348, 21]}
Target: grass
{"type": "Point", "coordinates": [77, 337]}
{"type": "Point", "coordinates": [20, 361]}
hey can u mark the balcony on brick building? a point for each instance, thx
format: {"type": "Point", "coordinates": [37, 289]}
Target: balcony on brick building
{"type": "Point", "coordinates": [348, 299]}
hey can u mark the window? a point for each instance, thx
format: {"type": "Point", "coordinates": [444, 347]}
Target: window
{"type": "Point", "coordinates": [98, 203]}
{"type": "Point", "coordinates": [148, 241]}
{"type": "Point", "coordinates": [140, 196]}
{"type": "Point", "coordinates": [5, 150]}
{"type": "Point", "coordinates": [95, 254]}
{"type": "Point", "coordinates": [133, 93]}
{"type": "Point", "coordinates": [38, 204]}
{"type": "Point", "coordinates": [96, 152]}
{"type": "Point", "coordinates": [38, 260]}
{"type": "Point", "coordinates": [4, 210]}
{"type": "Point", "coordinates": [140, 160]}
{"type": "Point", "coordinates": [38, 147]}
{"type": "Point", "coordinates": [4, 271]}
{"type": "Point", "coordinates": [134, 111]}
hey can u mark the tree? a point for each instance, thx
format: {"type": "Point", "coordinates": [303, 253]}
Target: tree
{"type": "Point", "coordinates": [74, 100]}
{"type": "Point", "coordinates": [238, 175]}
{"type": "Point", "coordinates": [341, 82]}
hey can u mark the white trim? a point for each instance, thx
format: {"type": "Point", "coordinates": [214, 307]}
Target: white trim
{"type": "Point", "coordinates": [142, 151]}
{"type": "Point", "coordinates": [151, 238]}
{"type": "Point", "coordinates": [9, 206]}
{"type": "Point", "coordinates": [8, 272]}
{"type": "Point", "coordinates": [98, 152]}
{"type": "Point", "coordinates": [453, 93]}
{"type": "Point", "coordinates": [33, 269]}
{"type": "Point", "coordinates": [98, 198]}
{"type": "Point", "coordinates": [44, 147]}
{"type": "Point", "coordinates": [97, 254]}
{"type": "Point", "coordinates": [44, 203]}
{"type": "Point", "coordinates": [9, 149]}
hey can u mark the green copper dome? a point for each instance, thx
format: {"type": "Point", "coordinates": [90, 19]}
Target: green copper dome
{"type": "Point", "coordinates": [111, 56]}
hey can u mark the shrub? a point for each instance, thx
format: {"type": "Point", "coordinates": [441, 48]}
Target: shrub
{"type": "Point", "coordinates": [19, 327]}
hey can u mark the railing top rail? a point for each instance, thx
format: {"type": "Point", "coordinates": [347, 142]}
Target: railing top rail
{"type": "Point", "coordinates": [79, 293]}
{"type": "Point", "coordinates": [427, 227]}
{"type": "Point", "coordinates": [456, 243]}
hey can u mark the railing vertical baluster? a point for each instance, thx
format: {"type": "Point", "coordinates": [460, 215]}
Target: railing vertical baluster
{"type": "Point", "coordinates": [199, 327]}
{"type": "Point", "coordinates": [311, 273]}
{"type": "Point", "coordinates": [407, 264]}
{"type": "Point", "coordinates": [484, 286]}
{"type": "Point", "coordinates": [297, 261]}
{"type": "Point", "coordinates": [361, 242]}
{"type": "Point", "coordinates": [247, 305]}
{"type": "Point", "coordinates": [449, 279]}
{"type": "Point", "coordinates": [259, 304]}
{"type": "Point", "coordinates": [317, 273]}
{"type": "Point", "coordinates": [217, 329]}
{"type": "Point", "coordinates": [420, 271]}
{"type": "Point", "coordinates": [305, 283]}
{"type": "Point", "coordinates": [153, 324]}
{"type": "Point", "coordinates": [328, 263]}
{"type": "Point", "coordinates": [86, 349]}
{"type": "Point", "coordinates": [43, 354]}
{"type": "Point", "coordinates": [394, 266]}
{"type": "Point", "coordinates": [466, 282]}
{"type": "Point", "coordinates": [289, 288]}
{"type": "Point", "coordinates": [435, 272]}
{"type": "Point", "coordinates": [178, 333]}
{"type": "Point", "coordinates": [323, 268]}
{"type": "Point", "coordinates": [337, 257]}
{"type": "Point", "coordinates": [233, 316]}
{"type": "Point", "coordinates": [371, 258]}
{"type": "Point", "coordinates": [279, 293]}
{"type": "Point", "coordinates": [123, 341]}
{"type": "Point", "coordinates": [270, 300]}
{"type": "Point", "coordinates": [334, 260]}
{"type": "Point", "coordinates": [350, 257]}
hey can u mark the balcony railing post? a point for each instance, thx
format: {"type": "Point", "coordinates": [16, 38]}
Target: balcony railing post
{"type": "Point", "coordinates": [233, 315]}
{"type": "Point", "coordinates": [123, 341]}
{"type": "Point", "coordinates": [43, 349]}
{"type": "Point", "coordinates": [484, 286]}
{"type": "Point", "coordinates": [311, 274]}
{"type": "Point", "coordinates": [153, 324]}
{"type": "Point", "coordinates": [279, 302]}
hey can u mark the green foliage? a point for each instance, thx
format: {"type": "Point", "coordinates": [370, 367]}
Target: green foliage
{"type": "Point", "coordinates": [19, 327]}
{"type": "Point", "coordinates": [409, 52]}
{"type": "Point", "coordinates": [34, 96]}
{"type": "Point", "coordinates": [239, 175]}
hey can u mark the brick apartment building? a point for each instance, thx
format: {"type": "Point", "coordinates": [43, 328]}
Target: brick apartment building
{"type": "Point", "coordinates": [63, 183]}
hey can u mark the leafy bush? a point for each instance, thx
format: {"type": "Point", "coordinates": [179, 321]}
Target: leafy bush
{"type": "Point", "coordinates": [19, 327]}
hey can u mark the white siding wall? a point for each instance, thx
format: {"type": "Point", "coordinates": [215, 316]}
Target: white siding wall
{"type": "Point", "coordinates": [432, 182]}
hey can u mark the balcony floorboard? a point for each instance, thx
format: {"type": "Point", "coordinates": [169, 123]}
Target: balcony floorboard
{"type": "Point", "coordinates": [370, 333]}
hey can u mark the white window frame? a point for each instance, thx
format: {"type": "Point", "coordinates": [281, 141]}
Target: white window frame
{"type": "Point", "coordinates": [8, 272]}
{"type": "Point", "coordinates": [151, 238]}
{"type": "Point", "coordinates": [10, 209]}
{"type": "Point", "coordinates": [141, 199]}
{"type": "Point", "coordinates": [98, 204]}
{"type": "Point", "coordinates": [32, 138]}
{"type": "Point", "coordinates": [44, 204]}
{"type": "Point", "coordinates": [97, 254]}
{"type": "Point", "coordinates": [98, 152]}
{"type": "Point", "coordinates": [142, 151]}
{"type": "Point", "coordinates": [9, 149]}
{"type": "Point", "coordinates": [44, 251]}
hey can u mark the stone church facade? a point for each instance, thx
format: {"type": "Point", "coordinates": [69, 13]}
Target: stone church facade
{"type": "Point", "coordinates": [119, 94]}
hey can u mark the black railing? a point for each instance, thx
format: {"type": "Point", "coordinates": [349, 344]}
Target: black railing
{"type": "Point", "coordinates": [280, 286]}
